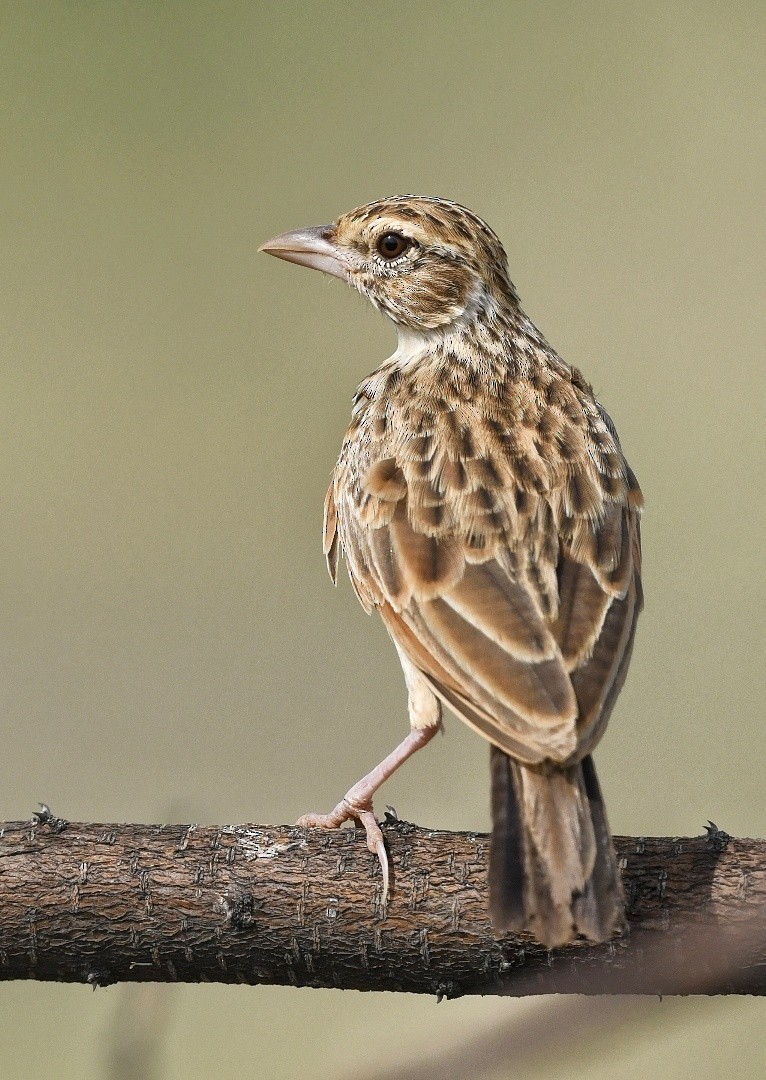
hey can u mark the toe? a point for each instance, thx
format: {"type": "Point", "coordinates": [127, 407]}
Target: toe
{"type": "Point", "coordinates": [376, 845]}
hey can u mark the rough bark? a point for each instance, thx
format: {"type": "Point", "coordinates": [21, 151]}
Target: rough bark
{"type": "Point", "coordinates": [274, 904]}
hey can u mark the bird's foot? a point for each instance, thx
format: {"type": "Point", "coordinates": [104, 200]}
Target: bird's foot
{"type": "Point", "coordinates": [356, 804]}
{"type": "Point", "coordinates": [351, 809]}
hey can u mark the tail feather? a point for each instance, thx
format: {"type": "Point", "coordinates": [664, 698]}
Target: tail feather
{"type": "Point", "coordinates": [506, 851]}
{"type": "Point", "coordinates": [552, 867]}
{"type": "Point", "coordinates": [600, 911]}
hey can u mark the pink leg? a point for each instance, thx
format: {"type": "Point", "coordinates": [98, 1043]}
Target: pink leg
{"type": "Point", "coordinates": [357, 802]}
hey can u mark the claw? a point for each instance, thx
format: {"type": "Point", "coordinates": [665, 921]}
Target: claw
{"type": "Point", "coordinates": [375, 844]}
{"type": "Point", "coordinates": [380, 851]}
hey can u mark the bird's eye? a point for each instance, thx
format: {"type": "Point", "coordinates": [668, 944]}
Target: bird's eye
{"type": "Point", "coordinates": [392, 244]}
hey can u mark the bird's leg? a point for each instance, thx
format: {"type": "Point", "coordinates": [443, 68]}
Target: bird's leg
{"type": "Point", "coordinates": [357, 802]}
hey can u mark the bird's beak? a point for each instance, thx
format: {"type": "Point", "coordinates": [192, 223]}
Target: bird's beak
{"type": "Point", "coordinates": [308, 247]}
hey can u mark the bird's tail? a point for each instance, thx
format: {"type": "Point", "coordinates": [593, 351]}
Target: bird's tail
{"type": "Point", "coordinates": [552, 866]}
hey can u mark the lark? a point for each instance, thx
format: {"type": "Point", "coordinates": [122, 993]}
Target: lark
{"type": "Point", "coordinates": [485, 510]}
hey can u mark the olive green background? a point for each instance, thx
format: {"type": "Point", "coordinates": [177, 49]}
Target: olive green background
{"type": "Point", "coordinates": [172, 403]}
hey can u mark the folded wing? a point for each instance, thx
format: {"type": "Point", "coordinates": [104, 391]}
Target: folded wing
{"type": "Point", "coordinates": [513, 588]}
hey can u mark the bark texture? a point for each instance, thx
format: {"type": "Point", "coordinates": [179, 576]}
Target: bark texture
{"type": "Point", "coordinates": [274, 904]}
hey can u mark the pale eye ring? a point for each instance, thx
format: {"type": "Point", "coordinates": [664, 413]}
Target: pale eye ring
{"type": "Point", "coordinates": [392, 244]}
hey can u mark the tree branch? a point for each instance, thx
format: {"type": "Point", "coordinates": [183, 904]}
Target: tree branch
{"type": "Point", "coordinates": [274, 904]}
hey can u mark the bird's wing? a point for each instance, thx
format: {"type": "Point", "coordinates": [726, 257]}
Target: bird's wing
{"type": "Point", "coordinates": [507, 575]}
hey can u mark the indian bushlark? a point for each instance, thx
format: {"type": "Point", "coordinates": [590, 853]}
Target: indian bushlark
{"type": "Point", "coordinates": [485, 508]}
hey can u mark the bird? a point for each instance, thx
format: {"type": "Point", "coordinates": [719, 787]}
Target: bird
{"type": "Point", "coordinates": [485, 509]}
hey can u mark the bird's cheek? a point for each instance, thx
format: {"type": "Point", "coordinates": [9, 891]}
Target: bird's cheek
{"type": "Point", "coordinates": [438, 300]}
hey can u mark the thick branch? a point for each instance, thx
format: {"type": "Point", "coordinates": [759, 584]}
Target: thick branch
{"type": "Point", "coordinates": [272, 904]}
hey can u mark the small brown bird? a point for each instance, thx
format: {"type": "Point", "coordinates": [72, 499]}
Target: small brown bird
{"type": "Point", "coordinates": [485, 508]}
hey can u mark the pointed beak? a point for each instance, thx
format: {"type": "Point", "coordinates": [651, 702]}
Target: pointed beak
{"type": "Point", "coordinates": [308, 247]}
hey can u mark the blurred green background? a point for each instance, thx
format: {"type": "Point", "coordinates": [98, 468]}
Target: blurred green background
{"type": "Point", "coordinates": [173, 402]}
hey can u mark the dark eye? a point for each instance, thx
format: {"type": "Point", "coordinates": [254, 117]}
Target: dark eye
{"type": "Point", "coordinates": [392, 244]}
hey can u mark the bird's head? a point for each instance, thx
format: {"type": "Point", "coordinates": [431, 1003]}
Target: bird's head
{"type": "Point", "coordinates": [425, 262]}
